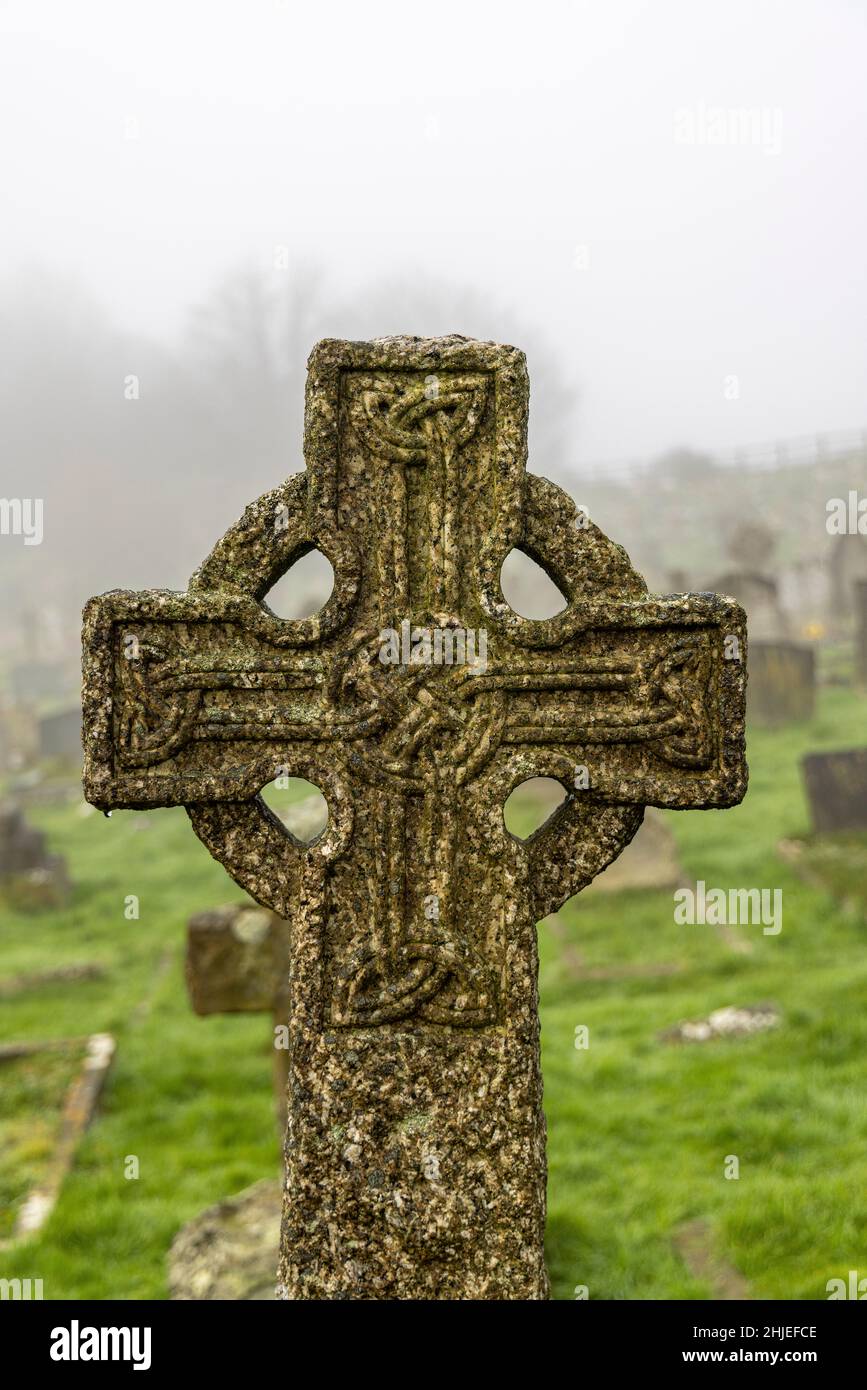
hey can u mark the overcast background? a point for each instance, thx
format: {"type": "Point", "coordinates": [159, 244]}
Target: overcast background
{"type": "Point", "coordinates": [194, 193]}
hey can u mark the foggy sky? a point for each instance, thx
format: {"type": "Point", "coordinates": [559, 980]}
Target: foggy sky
{"type": "Point", "coordinates": [533, 153]}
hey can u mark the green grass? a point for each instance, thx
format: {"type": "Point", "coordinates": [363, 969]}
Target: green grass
{"type": "Point", "coordinates": [31, 1107]}
{"type": "Point", "coordinates": [189, 1097]}
{"type": "Point", "coordinates": [839, 863]}
{"type": "Point", "coordinates": [639, 1131]}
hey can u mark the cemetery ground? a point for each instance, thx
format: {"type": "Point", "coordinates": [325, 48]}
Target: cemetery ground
{"type": "Point", "coordinates": [639, 1130]}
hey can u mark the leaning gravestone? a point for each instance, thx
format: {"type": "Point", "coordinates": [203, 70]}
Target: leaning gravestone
{"type": "Point", "coordinates": [837, 789]}
{"type": "Point", "coordinates": [238, 962]}
{"type": "Point", "coordinates": [415, 1150]}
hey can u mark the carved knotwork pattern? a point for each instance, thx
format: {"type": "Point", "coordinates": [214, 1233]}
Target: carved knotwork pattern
{"type": "Point", "coordinates": [218, 689]}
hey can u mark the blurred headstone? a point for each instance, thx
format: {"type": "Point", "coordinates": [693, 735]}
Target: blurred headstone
{"type": "Point", "coordinates": [238, 962]}
{"type": "Point", "coordinates": [837, 789]}
{"type": "Point", "coordinates": [759, 596]}
{"type": "Point", "coordinates": [751, 544]}
{"type": "Point", "coordinates": [649, 861]}
{"type": "Point", "coordinates": [847, 563]}
{"type": "Point", "coordinates": [60, 734]}
{"type": "Point", "coordinates": [804, 588]}
{"type": "Point", "coordinates": [18, 737]}
{"type": "Point", "coordinates": [30, 877]}
{"type": "Point", "coordinates": [38, 680]}
{"type": "Point", "coordinates": [782, 683]}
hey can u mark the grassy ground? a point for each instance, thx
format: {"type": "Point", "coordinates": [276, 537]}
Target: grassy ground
{"type": "Point", "coordinates": [639, 1131]}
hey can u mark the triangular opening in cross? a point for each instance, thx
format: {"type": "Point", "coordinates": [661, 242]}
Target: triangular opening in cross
{"type": "Point", "coordinates": [531, 805]}
{"type": "Point", "coordinates": [304, 589]}
{"type": "Point", "coordinates": [527, 589]}
{"type": "Point", "coordinates": [299, 805]}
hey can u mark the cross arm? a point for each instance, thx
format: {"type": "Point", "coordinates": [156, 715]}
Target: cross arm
{"type": "Point", "coordinates": [648, 698]}
{"type": "Point", "coordinates": [191, 697]}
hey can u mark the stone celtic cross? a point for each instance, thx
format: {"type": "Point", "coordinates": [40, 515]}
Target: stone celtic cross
{"type": "Point", "coordinates": [415, 1150]}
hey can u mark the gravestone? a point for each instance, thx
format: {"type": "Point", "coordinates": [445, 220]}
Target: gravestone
{"type": "Point", "coordinates": [847, 563]}
{"type": "Point", "coordinates": [750, 544]}
{"type": "Point", "coordinates": [837, 789]}
{"type": "Point", "coordinates": [782, 684]}
{"type": "Point", "coordinates": [38, 680]}
{"type": "Point", "coordinates": [804, 589]}
{"type": "Point", "coordinates": [650, 862]}
{"type": "Point", "coordinates": [60, 734]}
{"type": "Point", "coordinates": [415, 1149]}
{"type": "Point", "coordinates": [18, 736]}
{"type": "Point", "coordinates": [861, 631]}
{"type": "Point", "coordinates": [238, 962]}
{"type": "Point", "coordinates": [30, 877]}
{"type": "Point", "coordinates": [758, 596]}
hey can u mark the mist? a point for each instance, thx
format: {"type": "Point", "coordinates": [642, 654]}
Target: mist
{"type": "Point", "coordinates": [662, 205]}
